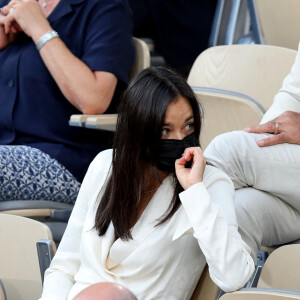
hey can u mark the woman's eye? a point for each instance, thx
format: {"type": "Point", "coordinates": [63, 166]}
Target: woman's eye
{"type": "Point", "coordinates": [189, 127]}
{"type": "Point", "coordinates": [164, 132]}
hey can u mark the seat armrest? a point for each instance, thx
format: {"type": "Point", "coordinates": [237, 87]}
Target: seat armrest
{"type": "Point", "coordinates": [45, 251]}
{"type": "Point", "coordinates": [270, 290]}
{"type": "Point", "coordinates": [103, 122]}
{"type": "Point", "coordinates": [61, 215]}
{"type": "Point", "coordinates": [261, 294]}
{"type": "Point", "coordinates": [78, 120]}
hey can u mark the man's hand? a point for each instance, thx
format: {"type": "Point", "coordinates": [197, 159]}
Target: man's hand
{"type": "Point", "coordinates": [286, 129]}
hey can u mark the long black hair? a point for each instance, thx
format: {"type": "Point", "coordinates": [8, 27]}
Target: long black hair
{"type": "Point", "coordinates": [136, 144]}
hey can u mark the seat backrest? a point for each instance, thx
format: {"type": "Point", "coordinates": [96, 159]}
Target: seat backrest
{"type": "Point", "coordinates": [20, 272]}
{"type": "Point", "coordinates": [282, 269]}
{"type": "Point", "coordinates": [279, 21]}
{"type": "Point", "coordinates": [254, 70]}
{"type": "Point", "coordinates": [258, 294]}
{"type": "Point", "coordinates": [206, 288]}
{"type": "Point", "coordinates": [142, 57]}
{"type": "Point", "coordinates": [223, 113]}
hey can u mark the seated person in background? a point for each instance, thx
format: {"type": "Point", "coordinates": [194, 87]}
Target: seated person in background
{"type": "Point", "coordinates": [141, 218]}
{"type": "Point", "coordinates": [84, 55]}
{"type": "Point", "coordinates": [180, 29]}
{"type": "Point", "coordinates": [264, 165]}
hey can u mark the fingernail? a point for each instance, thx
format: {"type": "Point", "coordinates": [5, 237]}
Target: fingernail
{"type": "Point", "coordinates": [1, 11]}
{"type": "Point", "coordinates": [260, 143]}
{"type": "Point", "coordinates": [247, 129]}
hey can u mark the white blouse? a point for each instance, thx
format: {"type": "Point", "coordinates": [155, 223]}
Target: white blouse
{"type": "Point", "coordinates": [162, 262]}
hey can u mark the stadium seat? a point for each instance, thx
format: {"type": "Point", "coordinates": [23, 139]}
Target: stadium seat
{"type": "Point", "coordinates": [254, 70]}
{"type": "Point", "coordinates": [279, 21]}
{"type": "Point", "coordinates": [206, 288]}
{"type": "Point", "coordinates": [279, 278]}
{"type": "Point", "coordinates": [282, 269]}
{"type": "Point", "coordinates": [261, 294]}
{"type": "Point", "coordinates": [20, 277]}
{"type": "Point", "coordinates": [224, 112]}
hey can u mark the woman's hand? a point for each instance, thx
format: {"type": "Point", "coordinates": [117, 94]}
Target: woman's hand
{"type": "Point", "coordinates": [189, 176]}
{"type": "Point", "coordinates": [27, 16]}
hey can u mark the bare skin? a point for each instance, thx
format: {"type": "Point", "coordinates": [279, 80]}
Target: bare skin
{"type": "Point", "coordinates": [89, 91]}
{"type": "Point", "coordinates": [105, 291]}
{"type": "Point", "coordinates": [288, 130]}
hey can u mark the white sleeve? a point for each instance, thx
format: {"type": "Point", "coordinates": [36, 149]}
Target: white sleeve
{"type": "Point", "coordinates": [288, 97]}
{"type": "Point", "coordinates": [59, 277]}
{"type": "Point", "coordinates": [209, 207]}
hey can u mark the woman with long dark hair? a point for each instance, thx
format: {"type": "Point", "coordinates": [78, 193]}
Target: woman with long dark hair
{"type": "Point", "coordinates": [150, 213]}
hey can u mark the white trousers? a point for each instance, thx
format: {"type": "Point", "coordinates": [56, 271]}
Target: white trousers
{"type": "Point", "coordinates": [267, 181]}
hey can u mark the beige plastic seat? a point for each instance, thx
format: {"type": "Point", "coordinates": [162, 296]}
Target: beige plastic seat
{"type": "Point", "coordinates": [282, 269]}
{"type": "Point", "coordinates": [279, 21]}
{"type": "Point", "coordinates": [279, 279]}
{"type": "Point", "coordinates": [141, 61]}
{"type": "Point", "coordinates": [20, 276]}
{"type": "Point", "coordinates": [206, 288]}
{"type": "Point", "coordinates": [142, 57]}
{"type": "Point", "coordinates": [254, 70]}
{"type": "Point", "coordinates": [224, 113]}
{"type": "Point", "coordinates": [261, 295]}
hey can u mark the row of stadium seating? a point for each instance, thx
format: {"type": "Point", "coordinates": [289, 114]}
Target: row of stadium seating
{"type": "Point", "coordinates": [22, 270]}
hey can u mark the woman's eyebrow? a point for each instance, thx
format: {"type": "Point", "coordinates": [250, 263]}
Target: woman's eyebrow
{"type": "Point", "coordinates": [189, 118]}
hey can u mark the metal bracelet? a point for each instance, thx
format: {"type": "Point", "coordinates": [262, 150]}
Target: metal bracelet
{"type": "Point", "coordinates": [46, 38]}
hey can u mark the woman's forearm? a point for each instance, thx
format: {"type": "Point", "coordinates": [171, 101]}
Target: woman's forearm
{"type": "Point", "coordinates": [228, 257]}
{"type": "Point", "coordinates": [91, 92]}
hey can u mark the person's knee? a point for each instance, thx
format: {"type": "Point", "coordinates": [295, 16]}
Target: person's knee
{"type": "Point", "coordinates": [105, 291]}
{"type": "Point", "coordinates": [230, 142]}
{"type": "Point", "coordinates": [224, 147]}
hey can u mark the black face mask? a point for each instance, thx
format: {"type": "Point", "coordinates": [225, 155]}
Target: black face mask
{"type": "Point", "coordinates": [170, 150]}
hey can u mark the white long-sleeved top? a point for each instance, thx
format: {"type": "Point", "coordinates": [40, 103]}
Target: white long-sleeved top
{"type": "Point", "coordinates": [288, 97]}
{"type": "Point", "coordinates": [160, 262]}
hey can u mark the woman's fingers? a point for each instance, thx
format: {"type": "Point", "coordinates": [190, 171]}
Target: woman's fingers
{"type": "Point", "coordinates": [189, 176]}
{"type": "Point", "coordinates": [6, 10]}
{"type": "Point", "coordinates": [27, 16]}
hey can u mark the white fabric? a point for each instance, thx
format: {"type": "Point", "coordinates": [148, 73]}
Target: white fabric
{"type": "Point", "coordinates": [163, 262]}
{"type": "Point", "coordinates": [273, 217]}
{"type": "Point", "coordinates": [288, 97]}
